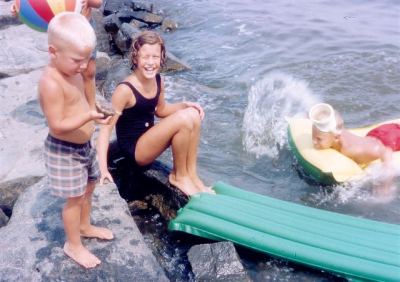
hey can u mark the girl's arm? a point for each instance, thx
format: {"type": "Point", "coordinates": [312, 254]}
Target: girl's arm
{"type": "Point", "coordinates": [119, 100]}
{"type": "Point", "coordinates": [165, 109]}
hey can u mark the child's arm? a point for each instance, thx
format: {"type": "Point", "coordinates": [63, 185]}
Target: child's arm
{"type": "Point", "coordinates": [165, 109]}
{"type": "Point", "coordinates": [119, 100]}
{"type": "Point", "coordinates": [102, 149]}
{"type": "Point", "coordinates": [90, 83]}
{"type": "Point", "coordinates": [52, 101]}
{"type": "Point", "coordinates": [387, 175]}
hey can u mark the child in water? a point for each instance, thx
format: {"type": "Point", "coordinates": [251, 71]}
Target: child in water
{"type": "Point", "coordinates": [72, 169]}
{"type": "Point", "coordinates": [136, 100]}
{"type": "Point", "coordinates": [328, 132]}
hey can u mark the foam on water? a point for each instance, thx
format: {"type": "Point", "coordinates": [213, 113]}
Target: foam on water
{"type": "Point", "coordinates": [362, 190]}
{"type": "Point", "coordinates": [270, 100]}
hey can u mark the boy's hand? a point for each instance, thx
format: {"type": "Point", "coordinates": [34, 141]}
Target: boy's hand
{"type": "Point", "coordinates": [104, 120]}
{"type": "Point", "coordinates": [105, 177]}
{"type": "Point", "coordinates": [197, 107]}
{"type": "Point", "coordinates": [94, 115]}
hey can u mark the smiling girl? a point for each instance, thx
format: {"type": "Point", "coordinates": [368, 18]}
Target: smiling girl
{"type": "Point", "coordinates": [137, 100]}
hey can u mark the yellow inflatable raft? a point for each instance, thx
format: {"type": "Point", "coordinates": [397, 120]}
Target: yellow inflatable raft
{"type": "Point", "coordinates": [326, 166]}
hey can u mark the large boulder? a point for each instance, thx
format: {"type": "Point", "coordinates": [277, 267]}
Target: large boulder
{"type": "Point", "coordinates": [10, 191]}
{"type": "Point", "coordinates": [22, 50]}
{"type": "Point", "coordinates": [31, 244]}
{"type": "Point", "coordinates": [217, 262]}
{"type": "Point", "coordinates": [22, 127]}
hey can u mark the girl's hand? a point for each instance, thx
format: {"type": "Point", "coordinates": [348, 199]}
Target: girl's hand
{"type": "Point", "coordinates": [197, 107]}
{"type": "Point", "coordinates": [105, 177]}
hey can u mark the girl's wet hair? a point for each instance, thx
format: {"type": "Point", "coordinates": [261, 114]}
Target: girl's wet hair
{"type": "Point", "coordinates": [146, 37]}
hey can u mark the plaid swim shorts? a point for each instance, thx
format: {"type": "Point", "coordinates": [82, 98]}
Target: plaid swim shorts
{"type": "Point", "coordinates": [69, 166]}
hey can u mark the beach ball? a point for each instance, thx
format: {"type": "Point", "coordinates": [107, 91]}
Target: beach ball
{"type": "Point", "coordinates": [38, 13]}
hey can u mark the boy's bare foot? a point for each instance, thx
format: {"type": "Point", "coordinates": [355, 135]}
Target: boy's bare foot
{"type": "Point", "coordinates": [184, 184]}
{"type": "Point", "coordinates": [97, 232]}
{"type": "Point", "coordinates": [81, 255]}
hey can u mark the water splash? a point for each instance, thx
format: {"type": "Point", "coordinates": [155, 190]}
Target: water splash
{"type": "Point", "coordinates": [362, 190]}
{"type": "Point", "coordinates": [270, 100]}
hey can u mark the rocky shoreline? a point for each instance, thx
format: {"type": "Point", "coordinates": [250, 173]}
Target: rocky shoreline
{"type": "Point", "coordinates": [31, 233]}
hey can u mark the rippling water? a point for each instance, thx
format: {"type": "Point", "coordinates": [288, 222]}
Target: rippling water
{"type": "Point", "coordinates": [255, 62]}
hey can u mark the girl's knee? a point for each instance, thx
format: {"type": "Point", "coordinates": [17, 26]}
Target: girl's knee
{"type": "Point", "coordinates": [190, 116]}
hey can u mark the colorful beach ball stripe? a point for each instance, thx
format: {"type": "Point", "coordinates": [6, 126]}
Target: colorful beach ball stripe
{"type": "Point", "coordinates": [38, 13]}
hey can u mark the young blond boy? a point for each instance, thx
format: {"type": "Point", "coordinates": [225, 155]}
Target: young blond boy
{"type": "Point", "coordinates": [70, 159]}
{"type": "Point", "coordinates": [328, 132]}
{"type": "Point", "coordinates": [90, 72]}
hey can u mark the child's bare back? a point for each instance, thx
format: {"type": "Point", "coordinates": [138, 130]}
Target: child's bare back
{"type": "Point", "coordinates": [362, 150]}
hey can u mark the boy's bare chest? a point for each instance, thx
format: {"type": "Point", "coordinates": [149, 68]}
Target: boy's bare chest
{"type": "Point", "coordinates": [74, 93]}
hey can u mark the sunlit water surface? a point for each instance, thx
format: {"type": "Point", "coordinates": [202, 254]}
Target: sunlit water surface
{"type": "Point", "coordinates": [256, 62]}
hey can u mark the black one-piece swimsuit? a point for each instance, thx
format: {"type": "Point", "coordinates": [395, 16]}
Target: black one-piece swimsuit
{"type": "Point", "coordinates": [136, 120]}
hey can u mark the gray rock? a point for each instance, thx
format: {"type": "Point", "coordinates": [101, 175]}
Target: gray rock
{"type": "Point", "coordinates": [118, 70]}
{"type": "Point", "coordinates": [168, 25]}
{"type": "Point", "coordinates": [149, 18]}
{"type": "Point", "coordinates": [124, 37]}
{"type": "Point", "coordinates": [103, 38]}
{"type": "Point", "coordinates": [3, 218]}
{"type": "Point", "coordinates": [31, 245]}
{"type": "Point", "coordinates": [111, 6]}
{"type": "Point", "coordinates": [22, 50]}
{"type": "Point", "coordinates": [10, 190]}
{"type": "Point", "coordinates": [174, 64]}
{"type": "Point", "coordinates": [138, 24]}
{"type": "Point", "coordinates": [111, 23]}
{"type": "Point", "coordinates": [142, 6]}
{"type": "Point", "coordinates": [125, 15]}
{"type": "Point", "coordinates": [216, 262]}
{"type": "Point", "coordinates": [21, 153]}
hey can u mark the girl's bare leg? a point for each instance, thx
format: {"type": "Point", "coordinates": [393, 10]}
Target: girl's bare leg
{"type": "Point", "coordinates": [86, 228]}
{"type": "Point", "coordinates": [193, 149]}
{"type": "Point", "coordinates": [180, 176]}
{"type": "Point", "coordinates": [173, 130]}
{"type": "Point", "coordinates": [73, 245]}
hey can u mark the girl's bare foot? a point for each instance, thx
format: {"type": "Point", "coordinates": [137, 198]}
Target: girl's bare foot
{"type": "Point", "coordinates": [92, 231]}
{"type": "Point", "coordinates": [81, 255]}
{"type": "Point", "coordinates": [200, 185]}
{"type": "Point", "coordinates": [184, 184]}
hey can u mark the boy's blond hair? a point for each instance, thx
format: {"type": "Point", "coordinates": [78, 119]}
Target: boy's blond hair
{"type": "Point", "coordinates": [71, 28]}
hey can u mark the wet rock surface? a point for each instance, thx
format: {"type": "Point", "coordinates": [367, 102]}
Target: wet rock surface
{"type": "Point", "coordinates": [32, 241]}
{"type": "Point", "coordinates": [217, 262]}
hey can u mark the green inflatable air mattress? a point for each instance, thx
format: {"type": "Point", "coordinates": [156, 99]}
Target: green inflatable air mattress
{"type": "Point", "coordinates": [351, 247]}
